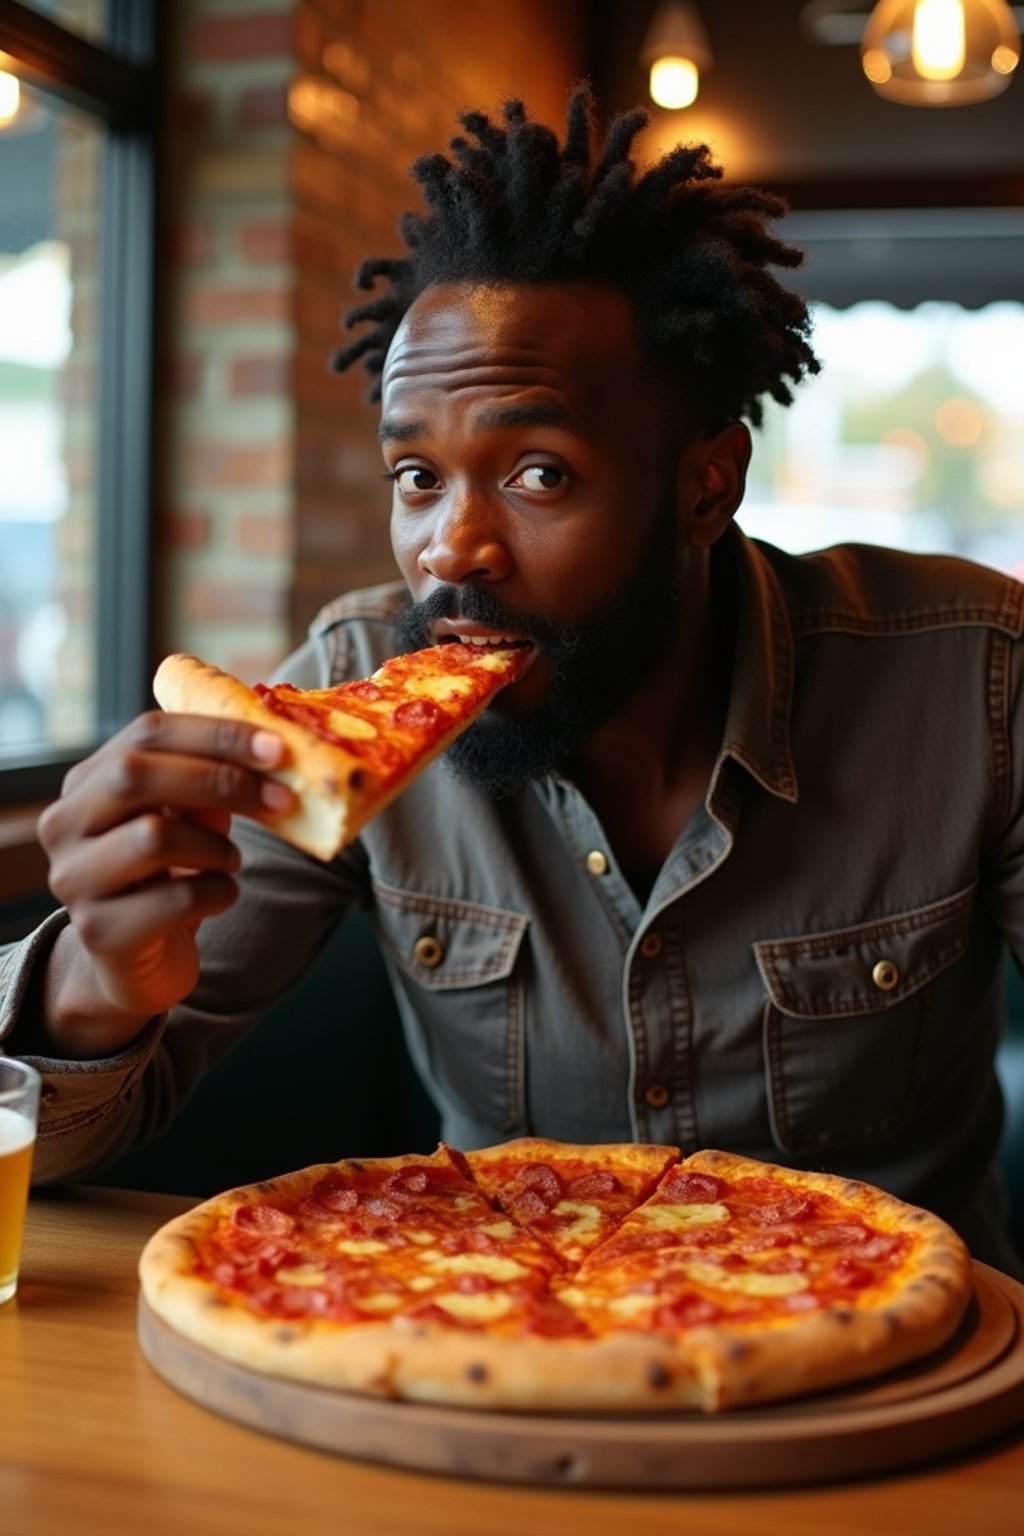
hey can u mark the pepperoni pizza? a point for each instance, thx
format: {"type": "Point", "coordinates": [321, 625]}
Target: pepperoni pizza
{"type": "Point", "coordinates": [544, 1275]}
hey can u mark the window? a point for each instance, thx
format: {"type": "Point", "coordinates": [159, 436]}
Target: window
{"type": "Point", "coordinates": [913, 433]}
{"type": "Point", "coordinates": [77, 132]}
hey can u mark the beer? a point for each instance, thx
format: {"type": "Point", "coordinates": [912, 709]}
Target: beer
{"type": "Point", "coordinates": [17, 1135]}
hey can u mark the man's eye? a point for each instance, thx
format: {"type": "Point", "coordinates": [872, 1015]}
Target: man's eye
{"type": "Point", "coordinates": [416, 478]}
{"type": "Point", "coordinates": [540, 477]}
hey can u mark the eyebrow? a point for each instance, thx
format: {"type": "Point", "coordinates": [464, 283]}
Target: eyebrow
{"type": "Point", "coordinates": [543, 414]}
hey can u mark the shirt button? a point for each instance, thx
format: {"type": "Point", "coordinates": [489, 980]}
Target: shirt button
{"type": "Point", "coordinates": [428, 950]}
{"type": "Point", "coordinates": [650, 945]}
{"type": "Point", "coordinates": [885, 975]}
{"type": "Point", "coordinates": [657, 1095]}
{"type": "Point", "coordinates": [597, 862]}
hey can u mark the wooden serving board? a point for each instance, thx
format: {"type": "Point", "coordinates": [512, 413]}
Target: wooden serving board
{"type": "Point", "coordinates": [960, 1397]}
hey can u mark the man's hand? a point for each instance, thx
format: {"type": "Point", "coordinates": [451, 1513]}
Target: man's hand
{"type": "Point", "coordinates": [139, 855]}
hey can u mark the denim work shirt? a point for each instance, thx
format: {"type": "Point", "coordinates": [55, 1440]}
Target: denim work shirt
{"type": "Point", "coordinates": [817, 975]}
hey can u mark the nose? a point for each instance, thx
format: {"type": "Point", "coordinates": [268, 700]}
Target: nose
{"type": "Point", "coordinates": [465, 543]}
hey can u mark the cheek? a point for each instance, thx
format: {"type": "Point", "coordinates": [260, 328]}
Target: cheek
{"type": "Point", "coordinates": [405, 546]}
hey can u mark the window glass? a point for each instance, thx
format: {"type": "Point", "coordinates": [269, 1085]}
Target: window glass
{"type": "Point", "coordinates": [912, 435]}
{"type": "Point", "coordinates": [86, 18]}
{"type": "Point", "coordinates": [50, 161]}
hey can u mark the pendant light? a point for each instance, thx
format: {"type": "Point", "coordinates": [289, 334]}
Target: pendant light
{"type": "Point", "coordinates": [940, 53]}
{"type": "Point", "coordinates": [677, 51]}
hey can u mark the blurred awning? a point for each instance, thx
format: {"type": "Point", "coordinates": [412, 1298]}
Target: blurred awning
{"type": "Point", "coordinates": [906, 256]}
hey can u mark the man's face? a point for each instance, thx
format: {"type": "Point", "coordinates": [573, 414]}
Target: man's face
{"type": "Point", "coordinates": [530, 444]}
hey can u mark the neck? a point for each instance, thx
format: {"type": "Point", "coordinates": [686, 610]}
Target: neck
{"type": "Point", "coordinates": [647, 770]}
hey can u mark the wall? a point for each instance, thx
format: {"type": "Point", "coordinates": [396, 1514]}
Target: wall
{"type": "Point", "coordinates": [292, 127]}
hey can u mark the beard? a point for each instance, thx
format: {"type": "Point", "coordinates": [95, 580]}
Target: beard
{"type": "Point", "coordinates": [594, 666]}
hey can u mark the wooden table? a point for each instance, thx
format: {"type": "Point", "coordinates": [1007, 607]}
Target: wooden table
{"type": "Point", "coordinates": [92, 1440]}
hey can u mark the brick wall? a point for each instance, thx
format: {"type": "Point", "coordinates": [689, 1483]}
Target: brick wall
{"type": "Point", "coordinates": [292, 130]}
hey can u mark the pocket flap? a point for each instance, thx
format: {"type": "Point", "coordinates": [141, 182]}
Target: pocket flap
{"type": "Point", "coordinates": [442, 942]}
{"type": "Point", "coordinates": [866, 968]}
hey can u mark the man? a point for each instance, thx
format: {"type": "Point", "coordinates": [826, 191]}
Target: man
{"type": "Point", "coordinates": [734, 864]}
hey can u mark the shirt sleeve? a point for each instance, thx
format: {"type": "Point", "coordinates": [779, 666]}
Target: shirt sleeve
{"type": "Point", "coordinates": [251, 957]}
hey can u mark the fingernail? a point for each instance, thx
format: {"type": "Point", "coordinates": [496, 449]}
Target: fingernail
{"type": "Point", "coordinates": [266, 747]}
{"type": "Point", "coordinates": [276, 797]}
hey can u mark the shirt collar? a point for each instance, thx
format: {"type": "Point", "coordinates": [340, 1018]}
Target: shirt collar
{"type": "Point", "coordinates": [757, 721]}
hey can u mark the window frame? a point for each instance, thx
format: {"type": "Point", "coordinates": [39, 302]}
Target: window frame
{"type": "Point", "coordinates": [119, 86]}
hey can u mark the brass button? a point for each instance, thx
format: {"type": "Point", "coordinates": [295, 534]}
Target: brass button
{"type": "Point", "coordinates": [650, 945]}
{"type": "Point", "coordinates": [885, 975]}
{"type": "Point", "coordinates": [597, 862]}
{"type": "Point", "coordinates": [657, 1095]}
{"type": "Point", "coordinates": [428, 950]}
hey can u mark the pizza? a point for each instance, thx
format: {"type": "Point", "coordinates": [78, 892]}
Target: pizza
{"type": "Point", "coordinates": [353, 747]}
{"type": "Point", "coordinates": [546, 1276]}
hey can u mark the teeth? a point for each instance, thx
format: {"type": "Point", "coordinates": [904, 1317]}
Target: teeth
{"type": "Point", "coordinates": [487, 639]}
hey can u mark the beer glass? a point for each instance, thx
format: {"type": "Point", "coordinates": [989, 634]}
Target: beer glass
{"type": "Point", "coordinates": [19, 1112]}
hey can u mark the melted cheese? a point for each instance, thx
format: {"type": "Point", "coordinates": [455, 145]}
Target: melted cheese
{"type": "Point", "coordinates": [673, 1217]}
{"type": "Point", "coordinates": [586, 1218]}
{"type": "Point", "coordinates": [445, 686]}
{"type": "Point", "coordinates": [421, 1236]}
{"type": "Point", "coordinates": [384, 1301]}
{"type": "Point", "coordinates": [483, 1307]}
{"type": "Point", "coordinates": [490, 1264]}
{"type": "Point", "coordinates": [746, 1284]}
{"type": "Point", "coordinates": [499, 1229]}
{"type": "Point", "coordinates": [633, 1304]}
{"type": "Point", "coordinates": [362, 1245]}
{"type": "Point", "coordinates": [300, 1274]}
{"type": "Point", "coordinates": [344, 724]}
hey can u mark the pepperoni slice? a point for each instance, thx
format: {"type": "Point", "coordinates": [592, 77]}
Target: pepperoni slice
{"type": "Point", "coordinates": [406, 1182]}
{"type": "Point", "coordinates": [371, 692]}
{"type": "Point", "coordinates": [540, 1180]}
{"type": "Point", "coordinates": [336, 1197]}
{"type": "Point", "coordinates": [685, 1311]}
{"type": "Point", "coordinates": [692, 1189]}
{"type": "Point", "coordinates": [263, 1219]}
{"type": "Point", "coordinates": [596, 1185]}
{"type": "Point", "coordinates": [529, 1206]}
{"type": "Point", "coordinates": [382, 1207]}
{"type": "Point", "coordinates": [853, 1276]}
{"type": "Point", "coordinates": [417, 714]}
{"type": "Point", "coordinates": [793, 1208]}
{"type": "Point", "coordinates": [880, 1247]}
{"type": "Point", "coordinates": [842, 1234]}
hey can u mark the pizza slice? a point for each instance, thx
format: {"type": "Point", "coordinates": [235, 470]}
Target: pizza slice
{"type": "Point", "coordinates": [571, 1197]}
{"type": "Point", "coordinates": [354, 747]}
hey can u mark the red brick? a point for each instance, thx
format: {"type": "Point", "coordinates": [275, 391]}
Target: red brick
{"type": "Point", "coordinates": [265, 241]}
{"type": "Point", "coordinates": [188, 243]}
{"type": "Point", "coordinates": [182, 373]}
{"type": "Point", "coordinates": [247, 35]}
{"type": "Point", "coordinates": [216, 304]}
{"type": "Point", "coordinates": [261, 376]}
{"type": "Point", "coordinates": [209, 600]}
{"type": "Point", "coordinates": [190, 111]}
{"type": "Point", "coordinates": [266, 533]}
{"type": "Point", "coordinates": [263, 106]}
{"type": "Point", "coordinates": [187, 530]}
{"type": "Point", "coordinates": [211, 466]}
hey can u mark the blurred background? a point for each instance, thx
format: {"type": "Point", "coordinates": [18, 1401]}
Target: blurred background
{"type": "Point", "coordinates": [186, 188]}
{"type": "Point", "coordinates": [185, 191]}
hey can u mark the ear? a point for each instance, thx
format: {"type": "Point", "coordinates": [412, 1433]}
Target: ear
{"type": "Point", "coordinates": [712, 478]}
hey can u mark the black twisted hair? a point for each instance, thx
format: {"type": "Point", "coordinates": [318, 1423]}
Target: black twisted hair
{"type": "Point", "coordinates": [691, 254]}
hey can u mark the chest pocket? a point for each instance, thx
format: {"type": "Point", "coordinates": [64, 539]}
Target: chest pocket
{"type": "Point", "coordinates": [847, 1023]}
{"type": "Point", "coordinates": [458, 974]}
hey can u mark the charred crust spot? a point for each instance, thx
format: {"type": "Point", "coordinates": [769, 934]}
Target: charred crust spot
{"type": "Point", "coordinates": [893, 1323]}
{"type": "Point", "coordinates": [477, 1371]}
{"type": "Point", "coordinates": [738, 1350]}
{"type": "Point", "coordinates": [658, 1375]}
{"type": "Point", "coordinates": [843, 1316]}
{"type": "Point", "coordinates": [355, 778]}
{"type": "Point", "coordinates": [215, 1301]}
{"type": "Point", "coordinates": [285, 1335]}
{"type": "Point", "coordinates": [354, 1164]}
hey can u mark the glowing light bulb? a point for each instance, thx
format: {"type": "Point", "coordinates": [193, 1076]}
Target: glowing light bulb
{"type": "Point", "coordinates": [10, 98]}
{"type": "Point", "coordinates": [939, 39]}
{"type": "Point", "coordinates": [674, 82]}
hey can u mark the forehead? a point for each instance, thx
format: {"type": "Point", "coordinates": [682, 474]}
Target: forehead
{"type": "Point", "coordinates": [578, 341]}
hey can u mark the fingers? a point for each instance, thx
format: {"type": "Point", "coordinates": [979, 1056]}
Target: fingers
{"type": "Point", "coordinates": [135, 852]}
{"type": "Point", "coordinates": [186, 762]}
{"type": "Point", "coordinates": [123, 926]}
